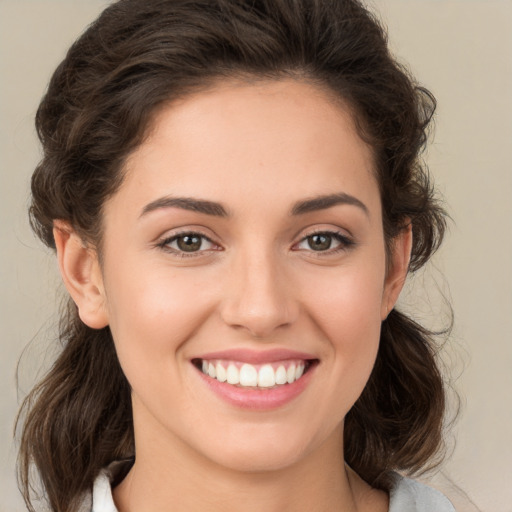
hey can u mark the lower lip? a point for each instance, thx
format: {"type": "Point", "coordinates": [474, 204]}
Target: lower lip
{"type": "Point", "coordinates": [258, 399]}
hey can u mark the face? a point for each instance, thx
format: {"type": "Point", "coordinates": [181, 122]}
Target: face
{"type": "Point", "coordinates": [244, 275]}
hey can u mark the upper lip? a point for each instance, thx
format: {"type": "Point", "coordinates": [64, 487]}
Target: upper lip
{"type": "Point", "coordinates": [257, 356]}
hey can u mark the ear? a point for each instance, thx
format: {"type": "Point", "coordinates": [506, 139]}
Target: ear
{"type": "Point", "coordinates": [397, 269]}
{"type": "Point", "coordinates": [81, 273]}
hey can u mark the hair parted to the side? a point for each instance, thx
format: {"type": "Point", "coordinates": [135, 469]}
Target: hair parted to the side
{"type": "Point", "coordinates": [141, 54]}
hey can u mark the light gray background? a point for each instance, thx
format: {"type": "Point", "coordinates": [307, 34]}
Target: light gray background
{"type": "Point", "coordinates": [461, 50]}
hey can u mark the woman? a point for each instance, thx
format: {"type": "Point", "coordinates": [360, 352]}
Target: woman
{"type": "Point", "coordinates": [234, 192]}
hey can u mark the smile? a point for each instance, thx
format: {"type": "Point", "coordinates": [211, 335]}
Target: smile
{"type": "Point", "coordinates": [259, 376]}
{"type": "Point", "coordinates": [256, 380]}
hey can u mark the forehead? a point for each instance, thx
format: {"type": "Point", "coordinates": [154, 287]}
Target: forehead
{"type": "Point", "coordinates": [287, 137]}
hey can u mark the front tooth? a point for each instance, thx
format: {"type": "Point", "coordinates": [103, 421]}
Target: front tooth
{"type": "Point", "coordinates": [221, 373]}
{"type": "Point", "coordinates": [290, 373]}
{"type": "Point", "coordinates": [266, 377]}
{"type": "Point", "coordinates": [211, 370]}
{"type": "Point", "coordinates": [299, 371]}
{"type": "Point", "coordinates": [281, 377]}
{"type": "Point", "coordinates": [232, 375]}
{"type": "Point", "coordinates": [248, 375]}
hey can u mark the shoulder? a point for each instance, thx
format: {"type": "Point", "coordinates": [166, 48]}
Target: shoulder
{"type": "Point", "coordinates": [407, 495]}
{"type": "Point", "coordinates": [101, 500]}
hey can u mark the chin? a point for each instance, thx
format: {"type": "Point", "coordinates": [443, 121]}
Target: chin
{"type": "Point", "coordinates": [258, 460]}
{"type": "Point", "coordinates": [261, 449]}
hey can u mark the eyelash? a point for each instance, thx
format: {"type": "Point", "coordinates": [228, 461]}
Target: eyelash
{"type": "Point", "coordinates": [165, 244]}
{"type": "Point", "coordinates": [345, 243]}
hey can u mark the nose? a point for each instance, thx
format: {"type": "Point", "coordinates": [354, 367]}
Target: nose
{"type": "Point", "coordinates": [259, 298]}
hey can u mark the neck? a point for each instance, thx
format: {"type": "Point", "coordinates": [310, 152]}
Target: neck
{"type": "Point", "coordinates": [185, 482]}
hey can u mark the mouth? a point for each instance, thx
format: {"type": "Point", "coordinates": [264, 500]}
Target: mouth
{"type": "Point", "coordinates": [262, 376]}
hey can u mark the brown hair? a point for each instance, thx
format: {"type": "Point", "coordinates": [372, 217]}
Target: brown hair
{"type": "Point", "coordinates": [140, 54]}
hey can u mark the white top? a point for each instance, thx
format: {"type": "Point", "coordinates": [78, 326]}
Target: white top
{"type": "Point", "coordinates": [406, 495]}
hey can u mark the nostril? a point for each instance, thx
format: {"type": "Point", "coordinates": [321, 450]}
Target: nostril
{"type": "Point", "coordinates": [259, 304]}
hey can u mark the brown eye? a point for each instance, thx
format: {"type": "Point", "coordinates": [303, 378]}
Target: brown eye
{"type": "Point", "coordinates": [319, 242]}
{"type": "Point", "coordinates": [328, 242]}
{"type": "Point", "coordinates": [189, 243]}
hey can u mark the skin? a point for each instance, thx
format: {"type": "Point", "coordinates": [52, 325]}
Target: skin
{"type": "Point", "coordinates": [257, 285]}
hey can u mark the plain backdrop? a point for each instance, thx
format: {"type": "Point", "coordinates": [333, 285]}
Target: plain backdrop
{"type": "Point", "coordinates": [462, 51]}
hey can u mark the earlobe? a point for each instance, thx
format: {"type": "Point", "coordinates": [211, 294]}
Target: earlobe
{"type": "Point", "coordinates": [398, 269]}
{"type": "Point", "coordinates": [80, 271]}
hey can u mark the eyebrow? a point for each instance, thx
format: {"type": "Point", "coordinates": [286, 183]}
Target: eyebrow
{"type": "Point", "coordinates": [186, 203]}
{"type": "Point", "coordinates": [323, 202]}
{"type": "Point", "coordinates": [216, 209]}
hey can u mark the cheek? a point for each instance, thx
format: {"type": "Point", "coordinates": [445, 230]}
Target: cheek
{"type": "Point", "coordinates": [347, 301]}
{"type": "Point", "coordinates": [346, 309]}
{"type": "Point", "coordinates": [153, 312]}
{"type": "Point", "coordinates": [152, 316]}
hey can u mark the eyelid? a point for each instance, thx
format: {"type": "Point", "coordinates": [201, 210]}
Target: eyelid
{"type": "Point", "coordinates": [164, 241]}
{"type": "Point", "coordinates": [346, 241]}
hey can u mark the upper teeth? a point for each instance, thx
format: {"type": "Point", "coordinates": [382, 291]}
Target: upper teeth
{"type": "Point", "coordinates": [248, 375]}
